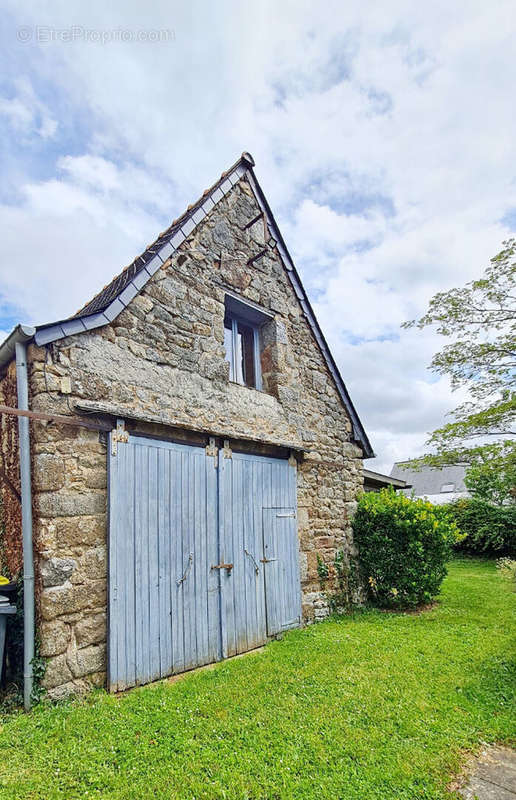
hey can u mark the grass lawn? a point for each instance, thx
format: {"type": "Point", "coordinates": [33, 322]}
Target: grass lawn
{"type": "Point", "coordinates": [372, 705]}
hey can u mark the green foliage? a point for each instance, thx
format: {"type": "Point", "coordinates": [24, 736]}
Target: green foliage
{"type": "Point", "coordinates": [492, 475]}
{"type": "Point", "coordinates": [481, 320]}
{"type": "Point", "coordinates": [347, 583]}
{"type": "Point", "coordinates": [323, 571]}
{"type": "Point", "coordinates": [488, 529]}
{"type": "Point", "coordinates": [507, 568]}
{"type": "Point", "coordinates": [404, 545]}
{"type": "Point", "coordinates": [360, 707]}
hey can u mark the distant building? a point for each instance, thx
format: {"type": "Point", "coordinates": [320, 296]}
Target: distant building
{"type": "Point", "coordinates": [374, 481]}
{"type": "Point", "coordinates": [436, 485]}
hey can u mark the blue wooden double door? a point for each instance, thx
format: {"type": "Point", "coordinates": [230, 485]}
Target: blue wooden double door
{"type": "Point", "coordinates": [203, 556]}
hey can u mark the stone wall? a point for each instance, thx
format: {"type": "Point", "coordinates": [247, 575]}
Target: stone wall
{"type": "Point", "coordinates": [163, 359]}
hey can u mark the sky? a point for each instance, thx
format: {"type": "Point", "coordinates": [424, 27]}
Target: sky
{"type": "Point", "coordinates": [383, 135]}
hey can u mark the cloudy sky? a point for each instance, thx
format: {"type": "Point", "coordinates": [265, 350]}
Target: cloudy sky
{"type": "Point", "coordinates": [384, 137]}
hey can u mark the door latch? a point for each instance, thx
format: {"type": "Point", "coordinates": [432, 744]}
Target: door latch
{"type": "Point", "coordinates": [227, 567]}
{"type": "Point", "coordinates": [267, 560]}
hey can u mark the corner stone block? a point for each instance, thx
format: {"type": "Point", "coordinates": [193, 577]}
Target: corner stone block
{"type": "Point", "coordinates": [57, 672]}
{"type": "Point", "coordinates": [303, 566]}
{"type": "Point", "coordinates": [86, 530]}
{"type": "Point", "coordinates": [56, 571]}
{"type": "Point", "coordinates": [92, 565]}
{"type": "Point", "coordinates": [91, 630]}
{"type": "Point", "coordinates": [68, 599]}
{"type": "Point", "coordinates": [89, 659]}
{"type": "Point", "coordinates": [70, 503]}
{"type": "Point", "coordinates": [55, 637]}
{"type": "Point", "coordinates": [49, 474]}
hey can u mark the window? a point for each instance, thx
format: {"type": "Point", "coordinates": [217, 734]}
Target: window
{"type": "Point", "coordinates": [448, 487]}
{"type": "Point", "coordinates": [242, 323]}
{"type": "Point", "coordinates": [241, 341]}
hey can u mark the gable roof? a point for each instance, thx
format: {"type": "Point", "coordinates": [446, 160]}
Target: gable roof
{"type": "Point", "coordinates": [430, 480]}
{"type": "Point", "coordinates": [113, 298]}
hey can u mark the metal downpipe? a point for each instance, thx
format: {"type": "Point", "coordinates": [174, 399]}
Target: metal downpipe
{"type": "Point", "coordinates": [26, 503]}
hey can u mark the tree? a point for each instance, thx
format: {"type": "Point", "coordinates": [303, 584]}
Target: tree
{"type": "Point", "coordinates": [480, 318]}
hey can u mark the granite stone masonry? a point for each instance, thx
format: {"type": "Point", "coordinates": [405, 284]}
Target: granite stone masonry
{"type": "Point", "coordinates": [161, 365]}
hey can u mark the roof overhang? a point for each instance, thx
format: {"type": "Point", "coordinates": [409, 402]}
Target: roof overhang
{"type": "Point", "coordinates": [379, 481]}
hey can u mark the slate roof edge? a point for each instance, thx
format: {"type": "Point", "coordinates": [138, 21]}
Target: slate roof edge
{"type": "Point", "coordinates": [136, 274]}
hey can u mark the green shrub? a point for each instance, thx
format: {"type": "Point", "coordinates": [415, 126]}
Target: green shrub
{"type": "Point", "coordinates": [507, 569]}
{"type": "Point", "coordinates": [487, 529]}
{"type": "Point", "coordinates": [404, 545]}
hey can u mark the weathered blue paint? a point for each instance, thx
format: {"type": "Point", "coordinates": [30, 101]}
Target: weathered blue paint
{"type": "Point", "coordinates": [177, 512]}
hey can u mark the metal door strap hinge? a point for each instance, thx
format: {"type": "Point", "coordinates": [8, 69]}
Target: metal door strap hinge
{"type": "Point", "coordinates": [227, 449]}
{"type": "Point", "coordinates": [256, 567]}
{"type": "Point", "coordinates": [286, 515]}
{"type": "Point", "coordinates": [187, 570]}
{"type": "Point", "coordinates": [211, 447]}
{"type": "Point", "coordinates": [267, 560]}
{"type": "Point", "coordinates": [119, 434]}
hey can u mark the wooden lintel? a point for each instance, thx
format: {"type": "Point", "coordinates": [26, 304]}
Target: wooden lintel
{"type": "Point", "coordinates": [40, 416]}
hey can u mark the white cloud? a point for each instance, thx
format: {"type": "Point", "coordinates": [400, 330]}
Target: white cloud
{"type": "Point", "coordinates": [69, 236]}
{"type": "Point", "coordinates": [382, 135]}
{"type": "Point", "coordinates": [26, 114]}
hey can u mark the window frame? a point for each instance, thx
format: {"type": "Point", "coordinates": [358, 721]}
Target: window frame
{"type": "Point", "coordinates": [235, 320]}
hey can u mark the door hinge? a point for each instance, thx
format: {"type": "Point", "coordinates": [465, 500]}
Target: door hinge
{"type": "Point", "coordinates": [227, 449]}
{"type": "Point", "coordinates": [211, 449]}
{"type": "Point", "coordinates": [118, 434]}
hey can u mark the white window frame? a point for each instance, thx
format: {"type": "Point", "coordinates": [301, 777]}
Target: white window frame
{"type": "Point", "coordinates": [235, 319]}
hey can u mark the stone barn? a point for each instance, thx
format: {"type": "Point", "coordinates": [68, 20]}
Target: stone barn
{"type": "Point", "coordinates": [187, 449]}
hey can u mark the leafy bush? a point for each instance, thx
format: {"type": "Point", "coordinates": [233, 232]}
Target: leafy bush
{"type": "Point", "coordinates": [507, 569]}
{"type": "Point", "coordinates": [404, 545]}
{"type": "Point", "coordinates": [488, 529]}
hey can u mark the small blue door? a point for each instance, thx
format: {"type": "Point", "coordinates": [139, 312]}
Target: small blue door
{"type": "Point", "coordinates": [203, 556]}
{"type": "Point", "coordinates": [282, 583]}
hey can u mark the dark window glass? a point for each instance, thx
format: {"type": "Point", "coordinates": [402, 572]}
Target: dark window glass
{"type": "Point", "coordinates": [239, 345]}
{"type": "Point", "coordinates": [245, 354]}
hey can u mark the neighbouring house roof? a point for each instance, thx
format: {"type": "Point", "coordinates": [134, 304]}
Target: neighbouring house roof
{"type": "Point", "coordinates": [113, 298]}
{"type": "Point", "coordinates": [445, 484]}
{"type": "Point", "coordinates": [376, 480]}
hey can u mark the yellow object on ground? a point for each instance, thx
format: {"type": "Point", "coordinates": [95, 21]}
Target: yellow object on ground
{"type": "Point", "coordinates": [3, 580]}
